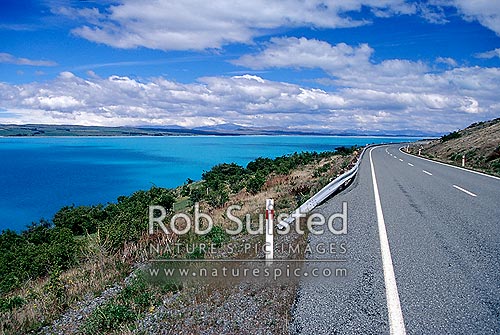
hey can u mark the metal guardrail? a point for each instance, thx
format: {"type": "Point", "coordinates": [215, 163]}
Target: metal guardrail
{"type": "Point", "coordinates": [325, 192]}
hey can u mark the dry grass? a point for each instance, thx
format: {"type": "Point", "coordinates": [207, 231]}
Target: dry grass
{"type": "Point", "coordinates": [287, 190]}
{"type": "Point", "coordinates": [248, 308]}
{"type": "Point", "coordinates": [194, 309]}
{"type": "Point", "coordinates": [220, 308]}
{"type": "Point", "coordinates": [47, 298]}
{"type": "Point", "coordinates": [480, 143]}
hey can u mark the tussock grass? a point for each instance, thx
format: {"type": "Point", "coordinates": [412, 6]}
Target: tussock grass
{"type": "Point", "coordinates": [46, 298]}
{"type": "Point", "coordinates": [194, 309]}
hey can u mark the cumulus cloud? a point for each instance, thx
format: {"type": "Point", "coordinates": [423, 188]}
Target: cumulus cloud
{"type": "Point", "coordinates": [349, 64]}
{"type": "Point", "coordinates": [61, 102]}
{"type": "Point", "coordinates": [308, 53]}
{"type": "Point", "coordinates": [426, 101]}
{"type": "Point", "coordinates": [198, 24]}
{"type": "Point", "coordinates": [10, 59]}
{"type": "Point", "coordinates": [405, 89]}
{"type": "Point", "coordinates": [489, 54]}
{"type": "Point", "coordinates": [363, 94]}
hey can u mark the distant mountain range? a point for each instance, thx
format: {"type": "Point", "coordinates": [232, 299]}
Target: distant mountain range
{"type": "Point", "coordinates": [225, 129]}
{"type": "Point", "coordinates": [234, 129]}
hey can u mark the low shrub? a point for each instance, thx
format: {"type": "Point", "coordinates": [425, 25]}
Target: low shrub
{"type": "Point", "coordinates": [109, 316]}
{"type": "Point", "coordinates": [450, 136]}
{"type": "Point", "coordinates": [34, 253]}
{"type": "Point", "coordinates": [217, 236]}
{"type": "Point", "coordinates": [197, 253]}
{"type": "Point", "coordinates": [8, 304]}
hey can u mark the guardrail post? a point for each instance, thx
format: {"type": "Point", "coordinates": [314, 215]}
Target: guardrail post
{"type": "Point", "coordinates": [269, 245]}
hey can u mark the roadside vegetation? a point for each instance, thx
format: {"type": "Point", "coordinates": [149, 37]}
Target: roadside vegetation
{"type": "Point", "coordinates": [53, 266]}
{"type": "Point", "coordinates": [479, 143]}
{"type": "Point", "coordinates": [450, 136]}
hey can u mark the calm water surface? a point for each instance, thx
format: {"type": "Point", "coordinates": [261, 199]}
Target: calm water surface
{"type": "Point", "coordinates": [40, 175]}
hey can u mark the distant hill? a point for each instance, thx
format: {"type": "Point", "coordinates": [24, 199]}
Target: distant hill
{"type": "Point", "coordinates": [174, 130]}
{"type": "Point", "coordinates": [59, 130]}
{"type": "Point", "coordinates": [479, 142]}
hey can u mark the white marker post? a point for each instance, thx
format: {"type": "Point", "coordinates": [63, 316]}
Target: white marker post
{"type": "Point", "coordinates": [269, 246]}
{"type": "Point", "coordinates": [463, 161]}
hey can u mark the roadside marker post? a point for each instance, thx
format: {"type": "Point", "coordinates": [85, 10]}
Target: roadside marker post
{"type": "Point", "coordinates": [269, 246]}
{"type": "Point", "coordinates": [463, 160]}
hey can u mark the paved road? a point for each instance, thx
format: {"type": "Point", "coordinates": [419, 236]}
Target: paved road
{"type": "Point", "coordinates": [442, 273]}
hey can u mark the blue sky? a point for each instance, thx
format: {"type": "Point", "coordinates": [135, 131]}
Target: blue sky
{"type": "Point", "coordinates": [381, 65]}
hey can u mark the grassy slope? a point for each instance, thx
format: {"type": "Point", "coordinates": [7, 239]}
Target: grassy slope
{"type": "Point", "coordinates": [192, 310]}
{"type": "Point", "coordinates": [480, 143]}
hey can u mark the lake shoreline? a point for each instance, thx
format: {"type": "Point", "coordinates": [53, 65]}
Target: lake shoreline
{"type": "Point", "coordinates": [43, 174]}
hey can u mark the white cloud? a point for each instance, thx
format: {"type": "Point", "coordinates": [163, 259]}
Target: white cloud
{"type": "Point", "coordinates": [351, 65]}
{"type": "Point", "coordinates": [447, 60]}
{"type": "Point", "coordinates": [489, 54]}
{"type": "Point", "coordinates": [433, 14]}
{"type": "Point", "coordinates": [364, 94]}
{"type": "Point", "coordinates": [10, 59]}
{"type": "Point", "coordinates": [421, 100]}
{"type": "Point", "coordinates": [50, 103]}
{"type": "Point", "coordinates": [404, 88]}
{"type": "Point", "coordinates": [306, 53]}
{"type": "Point", "coordinates": [486, 12]}
{"type": "Point", "coordinates": [199, 24]}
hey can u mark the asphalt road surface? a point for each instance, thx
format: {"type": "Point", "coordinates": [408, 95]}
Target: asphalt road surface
{"type": "Point", "coordinates": [423, 258]}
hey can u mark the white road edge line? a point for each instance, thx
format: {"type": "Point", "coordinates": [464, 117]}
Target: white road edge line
{"type": "Point", "coordinates": [410, 164]}
{"type": "Point", "coordinates": [449, 165]}
{"type": "Point", "coordinates": [396, 321]}
{"type": "Point", "coordinates": [465, 191]}
{"type": "Point", "coordinates": [427, 172]}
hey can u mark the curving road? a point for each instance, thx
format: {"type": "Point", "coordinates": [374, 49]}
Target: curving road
{"type": "Point", "coordinates": [423, 258]}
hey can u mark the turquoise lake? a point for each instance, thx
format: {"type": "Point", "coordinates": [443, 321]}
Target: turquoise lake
{"type": "Point", "coordinates": [40, 175]}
